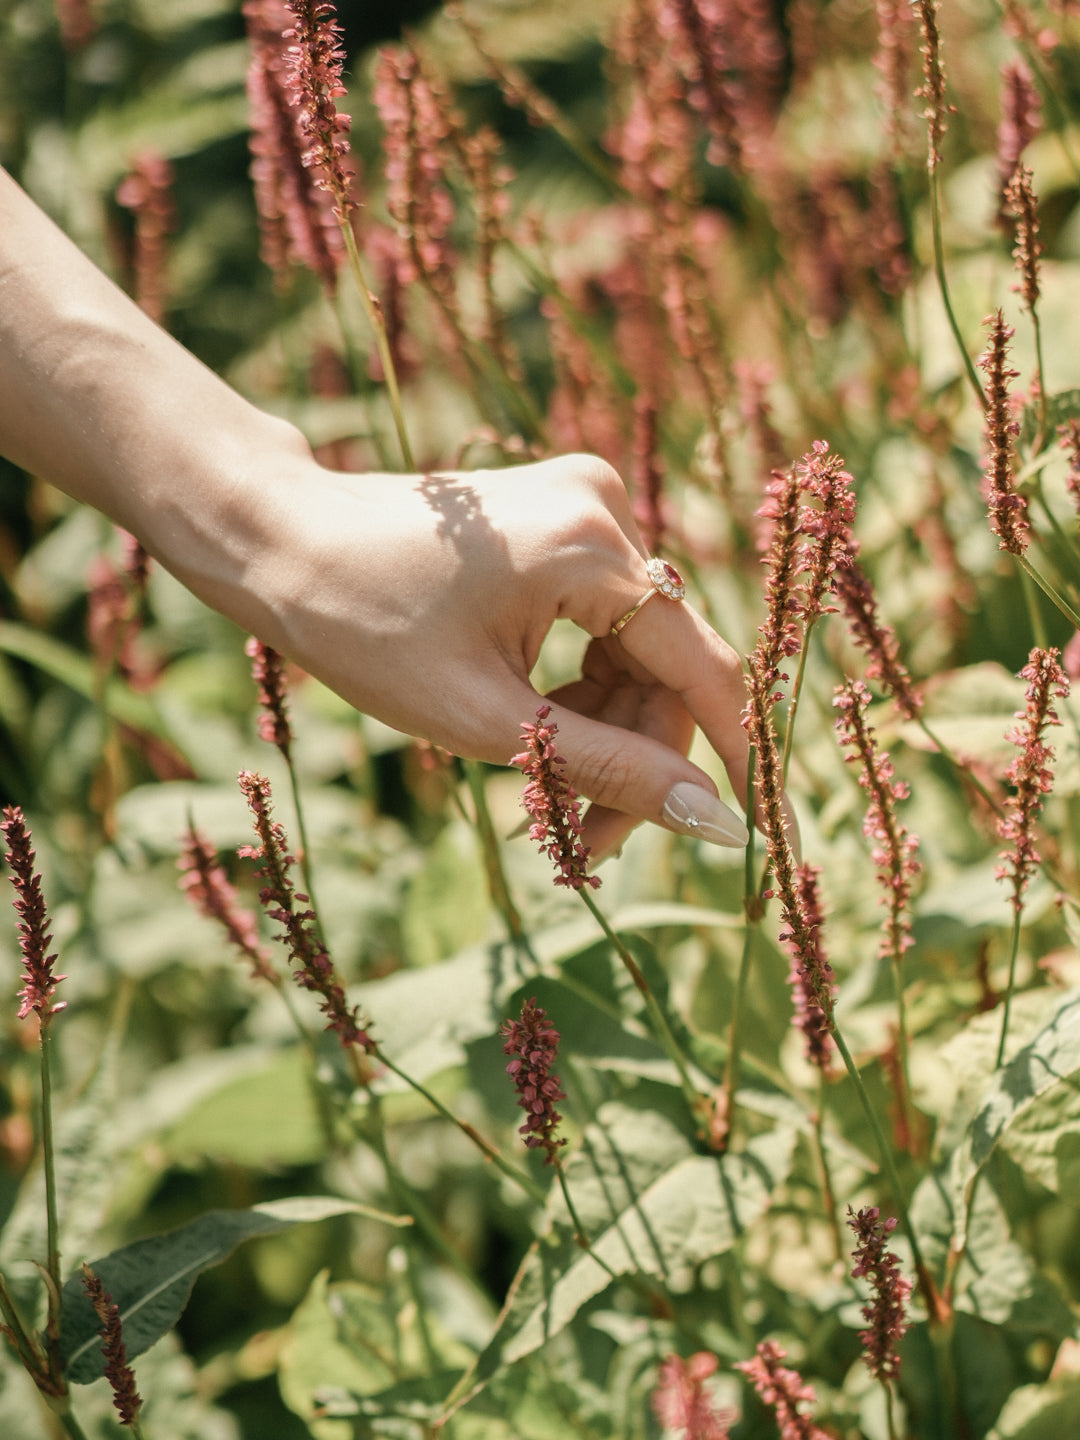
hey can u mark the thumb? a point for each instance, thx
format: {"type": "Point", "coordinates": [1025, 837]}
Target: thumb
{"type": "Point", "coordinates": [631, 777]}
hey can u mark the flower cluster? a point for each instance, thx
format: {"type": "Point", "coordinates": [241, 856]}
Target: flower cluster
{"type": "Point", "coordinates": [553, 803]}
{"type": "Point", "coordinates": [889, 1291]}
{"type": "Point", "coordinates": [147, 192]}
{"type": "Point", "coordinates": [39, 980]}
{"type": "Point", "coordinates": [534, 1043]}
{"type": "Point", "coordinates": [872, 635]}
{"type": "Point", "coordinates": [893, 62]}
{"type": "Point", "coordinates": [208, 888]}
{"type": "Point", "coordinates": [268, 672]}
{"type": "Point", "coordinates": [784, 1390]}
{"type": "Point", "coordinates": [1021, 121]}
{"type": "Point", "coordinates": [314, 969]}
{"type": "Point", "coordinates": [811, 975]}
{"type": "Point", "coordinates": [1020, 195]}
{"type": "Point", "coordinates": [828, 523]}
{"type": "Point", "coordinates": [681, 1403]}
{"type": "Point", "coordinates": [296, 221]}
{"type": "Point", "coordinates": [1008, 509]}
{"type": "Point", "coordinates": [118, 1372]}
{"type": "Point", "coordinates": [894, 847]}
{"type": "Point", "coordinates": [314, 62]}
{"type": "Point", "coordinates": [1030, 772]}
{"type": "Point", "coordinates": [932, 90]}
{"type": "Point", "coordinates": [1069, 440]}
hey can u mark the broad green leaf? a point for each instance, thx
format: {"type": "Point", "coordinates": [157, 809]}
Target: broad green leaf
{"type": "Point", "coordinates": [1040, 1412]}
{"type": "Point", "coordinates": [76, 670]}
{"type": "Point", "coordinates": [425, 1018]}
{"type": "Point", "coordinates": [353, 1350]}
{"type": "Point", "coordinates": [650, 1205]}
{"type": "Point", "coordinates": [151, 1279]}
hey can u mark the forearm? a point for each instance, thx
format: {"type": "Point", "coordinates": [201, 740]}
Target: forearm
{"type": "Point", "coordinates": [98, 400]}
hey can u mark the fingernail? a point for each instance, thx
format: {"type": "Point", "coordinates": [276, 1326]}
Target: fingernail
{"type": "Point", "coordinates": [691, 810]}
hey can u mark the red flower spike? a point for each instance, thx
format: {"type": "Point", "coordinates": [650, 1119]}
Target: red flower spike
{"type": "Point", "coordinates": [534, 1044]}
{"type": "Point", "coordinates": [1030, 772]}
{"type": "Point", "coordinates": [784, 1390]}
{"type": "Point", "coordinates": [39, 981]}
{"type": "Point", "coordinates": [890, 1291]}
{"type": "Point", "coordinates": [553, 803]}
{"type": "Point", "coordinates": [681, 1403]}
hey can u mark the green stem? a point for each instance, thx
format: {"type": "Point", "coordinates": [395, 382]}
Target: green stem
{"type": "Point", "coordinates": [1048, 590]}
{"type": "Point", "coordinates": [378, 325]}
{"type": "Point", "coordinates": [661, 1026]}
{"type": "Point", "coordinates": [489, 842]}
{"type": "Point", "coordinates": [828, 1194]}
{"type": "Point", "coordinates": [519, 1177]}
{"type": "Point", "coordinates": [926, 1284]}
{"type": "Point", "coordinates": [943, 287]}
{"type": "Point", "coordinates": [1035, 615]}
{"type": "Point", "coordinates": [306, 868]}
{"type": "Point", "coordinates": [580, 1233]}
{"type": "Point", "coordinates": [753, 911]}
{"type": "Point", "coordinates": [49, 1158]}
{"type": "Point", "coordinates": [1014, 950]}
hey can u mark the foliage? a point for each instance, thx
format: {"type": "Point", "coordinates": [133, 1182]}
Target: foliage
{"type": "Point", "coordinates": [696, 254]}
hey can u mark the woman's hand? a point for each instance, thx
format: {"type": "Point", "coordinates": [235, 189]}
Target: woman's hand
{"type": "Point", "coordinates": [424, 600]}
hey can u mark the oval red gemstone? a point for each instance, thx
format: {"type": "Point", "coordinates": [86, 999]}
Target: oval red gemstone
{"type": "Point", "coordinates": [671, 573]}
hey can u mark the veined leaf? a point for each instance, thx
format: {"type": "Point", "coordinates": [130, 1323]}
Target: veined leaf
{"type": "Point", "coordinates": [651, 1206]}
{"type": "Point", "coordinates": [151, 1280]}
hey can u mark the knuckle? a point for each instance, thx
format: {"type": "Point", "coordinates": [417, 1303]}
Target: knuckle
{"type": "Point", "coordinates": [605, 776]}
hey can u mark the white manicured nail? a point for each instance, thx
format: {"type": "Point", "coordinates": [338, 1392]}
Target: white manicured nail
{"type": "Point", "coordinates": [691, 810]}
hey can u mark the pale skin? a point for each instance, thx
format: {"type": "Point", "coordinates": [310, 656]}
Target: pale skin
{"type": "Point", "coordinates": [420, 599]}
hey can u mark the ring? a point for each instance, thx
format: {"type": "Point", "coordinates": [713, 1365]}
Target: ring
{"type": "Point", "coordinates": [666, 581]}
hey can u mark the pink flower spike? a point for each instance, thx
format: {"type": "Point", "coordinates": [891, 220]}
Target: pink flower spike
{"type": "Point", "coordinates": [682, 1404]}
{"type": "Point", "coordinates": [894, 848]}
{"type": "Point", "coordinates": [1008, 508]}
{"type": "Point", "coordinates": [208, 888]}
{"type": "Point", "coordinates": [553, 803]}
{"type": "Point", "coordinates": [533, 1042]}
{"type": "Point", "coordinates": [313, 968]}
{"type": "Point", "coordinates": [268, 672]}
{"type": "Point", "coordinates": [313, 83]}
{"type": "Point", "coordinates": [39, 981]}
{"type": "Point", "coordinates": [889, 1291]}
{"type": "Point", "coordinates": [118, 1372]}
{"type": "Point", "coordinates": [1030, 772]}
{"type": "Point", "coordinates": [784, 1390]}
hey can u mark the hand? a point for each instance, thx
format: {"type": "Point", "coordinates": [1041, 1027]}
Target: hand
{"type": "Point", "coordinates": [424, 600]}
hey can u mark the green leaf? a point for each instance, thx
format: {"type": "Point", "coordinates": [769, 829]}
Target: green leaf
{"type": "Point", "coordinates": [151, 1280]}
{"type": "Point", "coordinates": [650, 1205]}
{"type": "Point", "coordinates": [77, 671]}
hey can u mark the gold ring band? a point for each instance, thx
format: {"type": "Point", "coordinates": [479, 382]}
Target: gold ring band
{"type": "Point", "coordinates": [666, 581]}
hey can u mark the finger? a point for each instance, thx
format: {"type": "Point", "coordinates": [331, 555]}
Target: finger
{"type": "Point", "coordinates": [674, 643]}
{"type": "Point", "coordinates": [650, 710]}
{"type": "Point", "coordinates": [636, 775]}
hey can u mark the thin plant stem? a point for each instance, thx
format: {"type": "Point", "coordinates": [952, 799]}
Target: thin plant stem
{"type": "Point", "coordinates": [1035, 615]}
{"type": "Point", "coordinates": [580, 1233]}
{"type": "Point", "coordinates": [661, 1026]}
{"type": "Point", "coordinates": [754, 910]}
{"type": "Point", "coordinates": [305, 846]}
{"type": "Point", "coordinates": [828, 1194]}
{"type": "Point", "coordinates": [377, 322]}
{"type": "Point", "coordinates": [1014, 949]}
{"type": "Point", "coordinates": [928, 1290]}
{"type": "Point", "coordinates": [49, 1158]}
{"type": "Point", "coordinates": [890, 1411]}
{"type": "Point", "coordinates": [511, 1171]}
{"type": "Point", "coordinates": [1044, 585]}
{"type": "Point", "coordinates": [67, 1419]}
{"type": "Point", "coordinates": [943, 287]}
{"type": "Point", "coordinates": [489, 842]}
